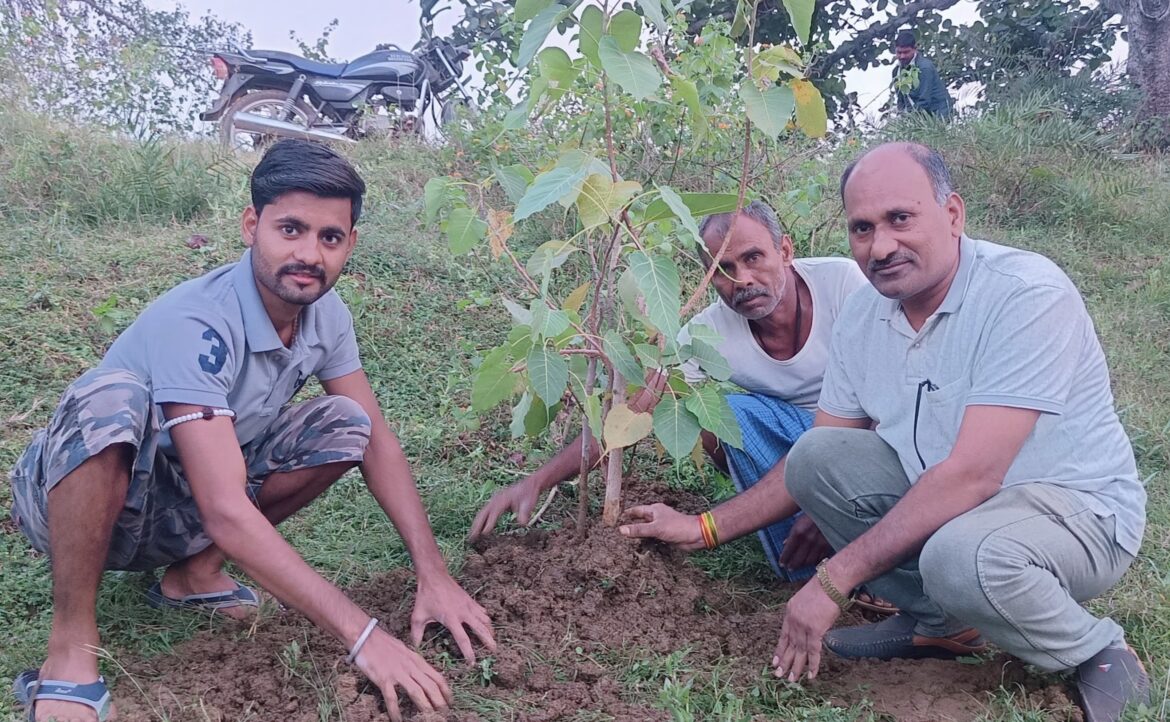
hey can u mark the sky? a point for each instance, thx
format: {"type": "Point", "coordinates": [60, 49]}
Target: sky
{"type": "Point", "coordinates": [365, 23]}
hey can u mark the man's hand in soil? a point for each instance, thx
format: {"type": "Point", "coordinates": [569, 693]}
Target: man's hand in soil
{"type": "Point", "coordinates": [442, 600]}
{"type": "Point", "coordinates": [389, 663]}
{"type": "Point", "coordinates": [659, 521]}
{"type": "Point", "coordinates": [809, 614]}
{"type": "Point", "coordinates": [519, 498]}
{"type": "Point", "coordinates": [805, 545]}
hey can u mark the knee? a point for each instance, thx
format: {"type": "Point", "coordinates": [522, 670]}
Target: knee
{"type": "Point", "coordinates": [950, 570]}
{"type": "Point", "coordinates": [805, 467]}
{"type": "Point", "coordinates": [341, 416]}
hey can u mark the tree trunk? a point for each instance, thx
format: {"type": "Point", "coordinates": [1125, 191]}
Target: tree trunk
{"type": "Point", "coordinates": [1148, 26]}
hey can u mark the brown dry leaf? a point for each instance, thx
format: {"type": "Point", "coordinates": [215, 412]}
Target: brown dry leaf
{"type": "Point", "coordinates": [499, 231]}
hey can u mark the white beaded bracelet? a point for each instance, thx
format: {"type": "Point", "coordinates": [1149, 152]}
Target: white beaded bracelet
{"type": "Point", "coordinates": [361, 641]}
{"type": "Point", "coordinates": [207, 413]}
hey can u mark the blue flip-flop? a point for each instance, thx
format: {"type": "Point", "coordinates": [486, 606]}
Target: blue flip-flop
{"type": "Point", "coordinates": [30, 689]}
{"type": "Point", "coordinates": [241, 596]}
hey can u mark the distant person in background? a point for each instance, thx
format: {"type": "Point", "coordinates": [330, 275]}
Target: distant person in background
{"type": "Point", "coordinates": [926, 92]}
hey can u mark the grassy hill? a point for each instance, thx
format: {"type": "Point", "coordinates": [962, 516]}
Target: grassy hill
{"type": "Point", "coordinates": [92, 229]}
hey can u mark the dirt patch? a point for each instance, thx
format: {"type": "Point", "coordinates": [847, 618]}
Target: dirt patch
{"type": "Point", "coordinates": [567, 612]}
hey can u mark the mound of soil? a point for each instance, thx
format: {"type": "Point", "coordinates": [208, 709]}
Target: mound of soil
{"type": "Point", "coordinates": [563, 609]}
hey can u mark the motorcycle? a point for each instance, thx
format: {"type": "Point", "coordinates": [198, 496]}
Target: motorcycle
{"type": "Point", "coordinates": [268, 94]}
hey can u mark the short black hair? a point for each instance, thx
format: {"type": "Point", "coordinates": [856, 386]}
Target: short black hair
{"type": "Point", "coordinates": [906, 39]}
{"type": "Point", "coordinates": [300, 165]}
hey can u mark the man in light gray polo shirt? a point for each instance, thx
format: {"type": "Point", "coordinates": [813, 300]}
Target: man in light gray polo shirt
{"type": "Point", "coordinates": [967, 462]}
{"type": "Point", "coordinates": [181, 450]}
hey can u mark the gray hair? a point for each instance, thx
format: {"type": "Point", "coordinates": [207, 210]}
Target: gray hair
{"type": "Point", "coordinates": [758, 211]}
{"type": "Point", "coordinates": [928, 158]}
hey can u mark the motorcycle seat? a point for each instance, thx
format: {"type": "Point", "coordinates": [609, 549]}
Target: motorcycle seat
{"type": "Point", "coordinates": [332, 70]}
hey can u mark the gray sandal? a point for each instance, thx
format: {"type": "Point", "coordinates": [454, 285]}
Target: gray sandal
{"type": "Point", "coordinates": [29, 689]}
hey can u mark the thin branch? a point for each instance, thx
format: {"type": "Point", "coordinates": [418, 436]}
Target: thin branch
{"type": "Point", "coordinates": [701, 291]}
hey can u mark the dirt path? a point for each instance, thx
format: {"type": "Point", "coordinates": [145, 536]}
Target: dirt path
{"type": "Point", "coordinates": [564, 609]}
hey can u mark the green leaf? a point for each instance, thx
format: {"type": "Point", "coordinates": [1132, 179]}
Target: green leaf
{"type": "Point", "coordinates": [514, 179]}
{"type": "Point", "coordinates": [589, 35]}
{"type": "Point", "coordinates": [517, 117]}
{"type": "Point", "coordinates": [657, 279]}
{"type": "Point", "coordinates": [539, 417]}
{"type": "Point", "coordinates": [700, 204]}
{"type": "Point", "coordinates": [494, 381]}
{"type": "Point", "coordinates": [593, 414]}
{"type": "Point", "coordinates": [548, 373]}
{"type": "Point", "coordinates": [549, 256]}
{"type": "Point", "coordinates": [557, 70]}
{"type": "Point", "coordinates": [715, 415]}
{"type": "Point", "coordinates": [810, 109]}
{"type": "Point", "coordinates": [689, 94]}
{"type": "Point", "coordinates": [801, 12]}
{"type": "Point", "coordinates": [520, 314]}
{"type": "Point", "coordinates": [519, 411]}
{"type": "Point", "coordinates": [625, 427]}
{"type": "Point", "coordinates": [434, 195]}
{"type": "Point", "coordinates": [675, 202]}
{"type": "Point", "coordinates": [621, 358]}
{"type": "Point", "coordinates": [631, 299]}
{"type": "Point", "coordinates": [580, 160]}
{"type": "Point", "coordinates": [653, 12]}
{"type": "Point", "coordinates": [769, 110]}
{"type": "Point", "coordinates": [769, 64]}
{"type": "Point", "coordinates": [710, 360]}
{"type": "Point", "coordinates": [634, 72]}
{"type": "Point", "coordinates": [519, 340]}
{"type": "Point", "coordinates": [547, 322]}
{"type": "Point", "coordinates": [547, 189]}
{"type": "Point", "coordinates": [648, 355]}
{"type": "Point", "coordinates": [538, 31]}
{"type": "Point", "coordinates": [528, 9]}
{"type": "Point", "coordinates": [626, 28]}
{"type": "Point", "coordinates": [740, 22]}
{"type": "Point", "coordinates": [675, 426]}
{"type": "Point", "coordinates": [464, 229]}
{"type": "Point", "coordinates": [703, 332]}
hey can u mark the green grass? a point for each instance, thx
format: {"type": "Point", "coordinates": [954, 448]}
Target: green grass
{"type": "Point", "coordinates": [76, 266]}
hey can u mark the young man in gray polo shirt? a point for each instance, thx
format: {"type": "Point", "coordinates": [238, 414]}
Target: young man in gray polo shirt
{"type": "Point", "coordinates": [967, 463]}
{"type": "Point", "coordinates": [178, 450]}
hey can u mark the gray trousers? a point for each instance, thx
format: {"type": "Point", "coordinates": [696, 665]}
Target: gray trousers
{"type": "Point", "coordinates": [1016, 567]}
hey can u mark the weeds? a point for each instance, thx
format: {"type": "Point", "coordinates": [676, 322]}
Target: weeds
{"type": "Point", "coordinates": [75, 269]}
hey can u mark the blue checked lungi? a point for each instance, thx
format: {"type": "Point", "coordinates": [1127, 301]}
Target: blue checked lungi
{"type": "Point", "coordinates": [769, 426]}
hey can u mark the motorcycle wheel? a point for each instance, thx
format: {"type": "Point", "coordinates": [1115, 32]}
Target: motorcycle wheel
{"type": "Point", "coordinates": [267, 103]}
{"type": "Point", "coordinates": [455, 110]}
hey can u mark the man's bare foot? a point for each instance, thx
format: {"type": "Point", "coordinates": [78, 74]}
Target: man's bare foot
{"type": "Point", "coordinates": [185, 578]}
{"type": "Point", "coordinates": [77, 666]}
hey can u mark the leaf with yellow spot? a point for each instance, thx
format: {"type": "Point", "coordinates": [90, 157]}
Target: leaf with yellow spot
{"type": "Point", "coordinates": [499, 231]}
{"type": "Point", "coordinates": [625, 427]}
{"type": "Point", "coordinates": [574, 300]}
{"type": "Point", "coordinates": [810, 108]}
{"type": "Point", "coordinates": [593, 200]}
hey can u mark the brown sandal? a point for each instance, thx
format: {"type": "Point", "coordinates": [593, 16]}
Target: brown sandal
{"type": "Point", "coordinates": [873, 603]}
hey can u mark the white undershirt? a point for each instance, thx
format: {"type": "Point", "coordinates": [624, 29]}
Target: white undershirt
{"type": "Point", "coordinates": [798, 379]}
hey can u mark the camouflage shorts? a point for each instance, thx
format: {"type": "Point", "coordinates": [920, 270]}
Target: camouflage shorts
{"type": "Point", "coordinates": [159, 523]}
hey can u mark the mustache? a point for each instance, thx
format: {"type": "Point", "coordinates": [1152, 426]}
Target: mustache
{"type": "Point", "coordinates": [747, 294]}
{"type": "Point", "coordinates": [302, 269]}
{"type": "Point", "coordinates": [878, 265]}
